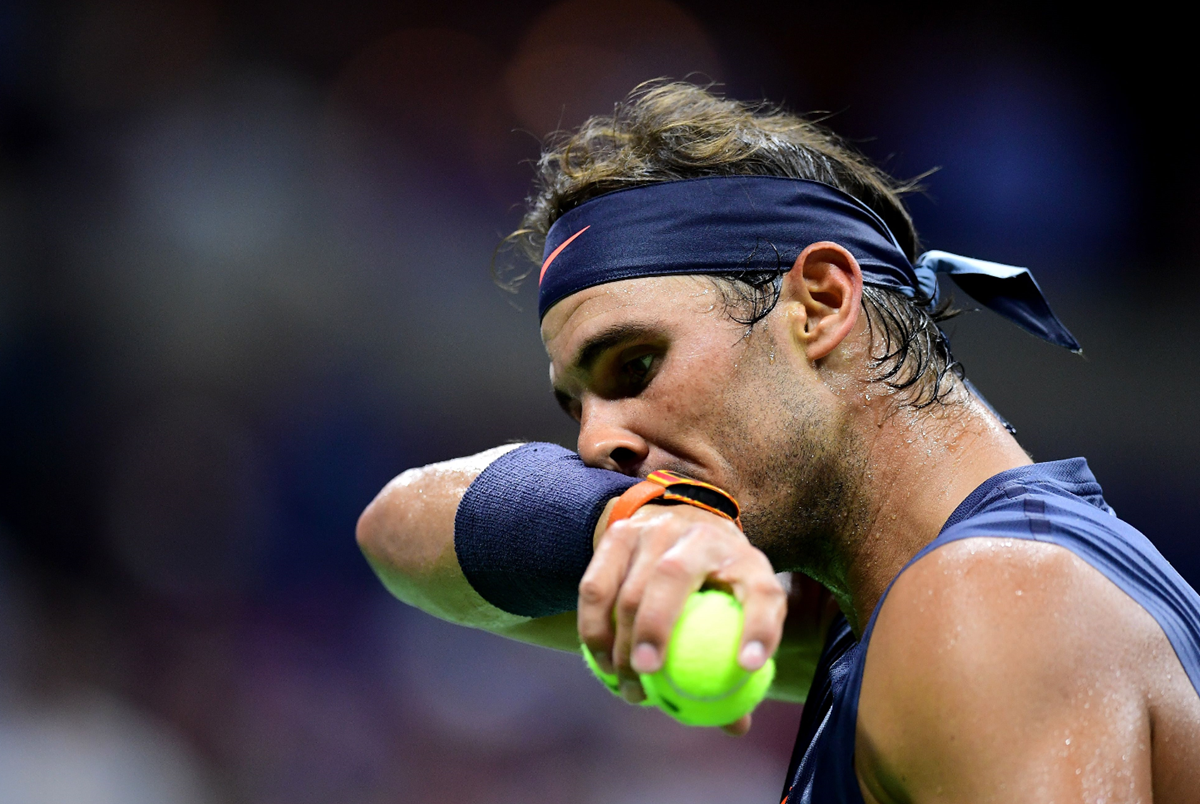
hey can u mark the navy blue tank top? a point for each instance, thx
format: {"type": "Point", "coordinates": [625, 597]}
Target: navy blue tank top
{"type": "Point", "coordinates": [1058, 503]}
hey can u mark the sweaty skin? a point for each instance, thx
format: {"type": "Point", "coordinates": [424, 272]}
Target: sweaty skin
{"type": "Point", "coordinates": [998, 670]}
{"type": "Point", "coordinates": [1038, 678]}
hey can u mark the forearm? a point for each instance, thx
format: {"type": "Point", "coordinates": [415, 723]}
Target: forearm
{"type": "Point", "coordinates": [408, 535]}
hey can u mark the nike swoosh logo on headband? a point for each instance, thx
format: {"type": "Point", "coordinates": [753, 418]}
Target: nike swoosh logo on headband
{"type": "Point", "coordinates": [554, 254]}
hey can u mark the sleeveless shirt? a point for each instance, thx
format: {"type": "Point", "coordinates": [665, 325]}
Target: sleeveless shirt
{"type": "Point", "coordinates": [1058, 503]}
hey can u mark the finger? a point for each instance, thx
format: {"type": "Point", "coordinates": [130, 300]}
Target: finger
{"type": "Point", "coordinates": [738, 727]}
{"type": "Point", "coordinates": [598, 592]}
{"type": "Point", "coordinates": [631, 690]}
{"type": "Point", "coordinates": [629, 599]}
{"type": "Point", "coordinates": [764, 607]}
{"type": "Point", "coordinates": [657, 535]}
{"type": "Point", "coordinates": [677, 573]}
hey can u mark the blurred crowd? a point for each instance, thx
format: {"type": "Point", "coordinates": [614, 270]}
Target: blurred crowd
{"type": "Point", "coordinates": [244, 281]}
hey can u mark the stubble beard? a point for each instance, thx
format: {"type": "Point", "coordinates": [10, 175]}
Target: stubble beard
{"type": "Point", "coordinates": [804, 499]}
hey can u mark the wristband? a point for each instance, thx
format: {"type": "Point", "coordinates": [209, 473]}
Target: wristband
{"type": "Point", "coordinates": [523, 530]}
{"type": "Point", "coordinates": [669, 487]}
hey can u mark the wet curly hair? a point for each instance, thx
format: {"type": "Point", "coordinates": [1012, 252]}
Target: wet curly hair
{"type": "Point", "coordinates": [667, 131]}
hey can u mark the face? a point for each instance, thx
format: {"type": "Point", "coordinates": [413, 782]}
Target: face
{"type": "Point", "coordinates": [659, 377]}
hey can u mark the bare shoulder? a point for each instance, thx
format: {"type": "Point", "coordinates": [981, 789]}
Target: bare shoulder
{"type": "Point", "coordinates": [1031, 600]}
{"type": "Point", "coordinates": [1002, 668]}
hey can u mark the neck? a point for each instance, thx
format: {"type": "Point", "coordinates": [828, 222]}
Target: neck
{"type": "Point", "coordinates": [920, 465]}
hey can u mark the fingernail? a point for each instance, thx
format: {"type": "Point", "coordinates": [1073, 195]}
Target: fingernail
{"type": "Point", "coordinates": [753, 656]}
{"type": "Point", "coordinates": [645, 658]}
{"type": "Point", "coordinates": [603, 661]}
{"type": "Point", "coordinates": [632, 692]}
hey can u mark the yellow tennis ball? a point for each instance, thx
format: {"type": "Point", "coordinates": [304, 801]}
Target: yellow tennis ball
{"type": "Point", "coordinates": [609, 680]}
{"type": "Point", "coordinates": [701, 683]}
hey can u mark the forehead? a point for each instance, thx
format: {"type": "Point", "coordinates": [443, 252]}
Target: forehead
{"type": "Point", "coordinates": [659, 300]}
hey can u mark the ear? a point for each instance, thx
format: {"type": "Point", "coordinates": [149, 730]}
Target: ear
{"type": "Point", "coordinates": [823, 291]}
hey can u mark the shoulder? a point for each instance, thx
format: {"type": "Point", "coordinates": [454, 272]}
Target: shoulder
{"type": "Point", "coordinates": [986, 651]}
{"type": "Point", "coordinates": [993, 597]}
{"type": "Point", "coordinates": [1016, 614]}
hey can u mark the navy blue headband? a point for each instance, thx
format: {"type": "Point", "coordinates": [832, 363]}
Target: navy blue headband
{"type": "Point", "coordinates": [733, 224]}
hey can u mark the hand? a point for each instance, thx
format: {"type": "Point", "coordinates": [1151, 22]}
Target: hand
{"type": "Point", "coordinates": [645, 567]}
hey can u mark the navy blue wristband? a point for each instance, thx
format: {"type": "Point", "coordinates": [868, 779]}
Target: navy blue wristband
{"type": "Point", "coordinates": [523, 531]}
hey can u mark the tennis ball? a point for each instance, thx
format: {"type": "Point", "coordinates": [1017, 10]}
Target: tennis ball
{"type": "Point", "coordinates": [700, 682]}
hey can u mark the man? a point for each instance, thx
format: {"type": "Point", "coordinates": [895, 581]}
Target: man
{"type": "Point", "coordinates": [731, 294]}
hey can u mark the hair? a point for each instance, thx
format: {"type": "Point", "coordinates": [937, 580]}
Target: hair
{"type": "Point", "coordinates": [667, 131]}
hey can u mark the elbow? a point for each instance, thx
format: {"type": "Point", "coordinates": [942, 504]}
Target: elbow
{"type": "Point", "coordinates": [394, 531]}
{"type": "Point", "coordinates": [402, 537]}
{"type": "Point", "coordinates": [366, 532]}
{"type": "Point", "coordinates": [377, 529]}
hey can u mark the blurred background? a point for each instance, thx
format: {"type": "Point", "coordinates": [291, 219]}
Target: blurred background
{"type": "Point", "coordinates": [244, 254]}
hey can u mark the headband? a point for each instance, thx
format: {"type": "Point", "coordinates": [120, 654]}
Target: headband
{"type": "Point", "coordinates": [739, 224]}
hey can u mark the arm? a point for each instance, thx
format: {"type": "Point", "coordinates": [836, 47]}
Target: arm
{"type": "Point", "coordinates": [1005, 671]}
{"type": "Point", "coordinates": [407, 535]}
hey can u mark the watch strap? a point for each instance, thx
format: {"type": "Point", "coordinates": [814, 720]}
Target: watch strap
{"type": "Point", "coordinates": [672, 487]}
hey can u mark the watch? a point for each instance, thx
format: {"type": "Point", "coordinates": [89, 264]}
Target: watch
{"type": "Point", "coordinates": [670, 487]}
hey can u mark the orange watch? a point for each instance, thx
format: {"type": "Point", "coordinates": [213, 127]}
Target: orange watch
{"type": "Point", "coordinates": [664, 486]}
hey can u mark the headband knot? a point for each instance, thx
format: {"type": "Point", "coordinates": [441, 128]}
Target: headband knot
{"type": "Point", "coordinates": [1006, 289]}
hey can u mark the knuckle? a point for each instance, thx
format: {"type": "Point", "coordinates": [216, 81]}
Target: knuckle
{"type": "Point", "coordinates": [768, 590]}
{"type": "Point", "coordinates": [673, 566]}
{"type": "Point", "coordinates": [620, 532]}
{"type": "Point", "coordinates": [592, 592]}
{"type": "Point", "coordinates": [700, 530]}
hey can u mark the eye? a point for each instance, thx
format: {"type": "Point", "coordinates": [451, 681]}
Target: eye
{"type": "Point", "coordinates": [636, 372]}
{"type": "Point", "coordinates": [639, 367]}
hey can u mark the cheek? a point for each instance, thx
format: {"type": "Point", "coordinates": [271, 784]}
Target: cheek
{"type": "Point", "coordinates": [695, 391]}
{"type": "Point", "coordinates": [672, 406]}
{"type": "Point", "coordinates": [756, 410]}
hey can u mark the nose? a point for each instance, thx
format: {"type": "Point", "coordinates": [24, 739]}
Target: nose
{"type": "Point", "coordinates": [606, 441]}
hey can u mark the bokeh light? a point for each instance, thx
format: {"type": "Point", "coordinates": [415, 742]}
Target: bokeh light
{"type": "Point", "coordinates": [579, 58]}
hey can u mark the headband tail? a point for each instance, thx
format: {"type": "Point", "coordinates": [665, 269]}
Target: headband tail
{"type": "Point", "coordinates": [1007, 290]}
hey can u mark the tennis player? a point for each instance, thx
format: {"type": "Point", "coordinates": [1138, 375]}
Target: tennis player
{"type": "Point", "coordinates": [730, 294]}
